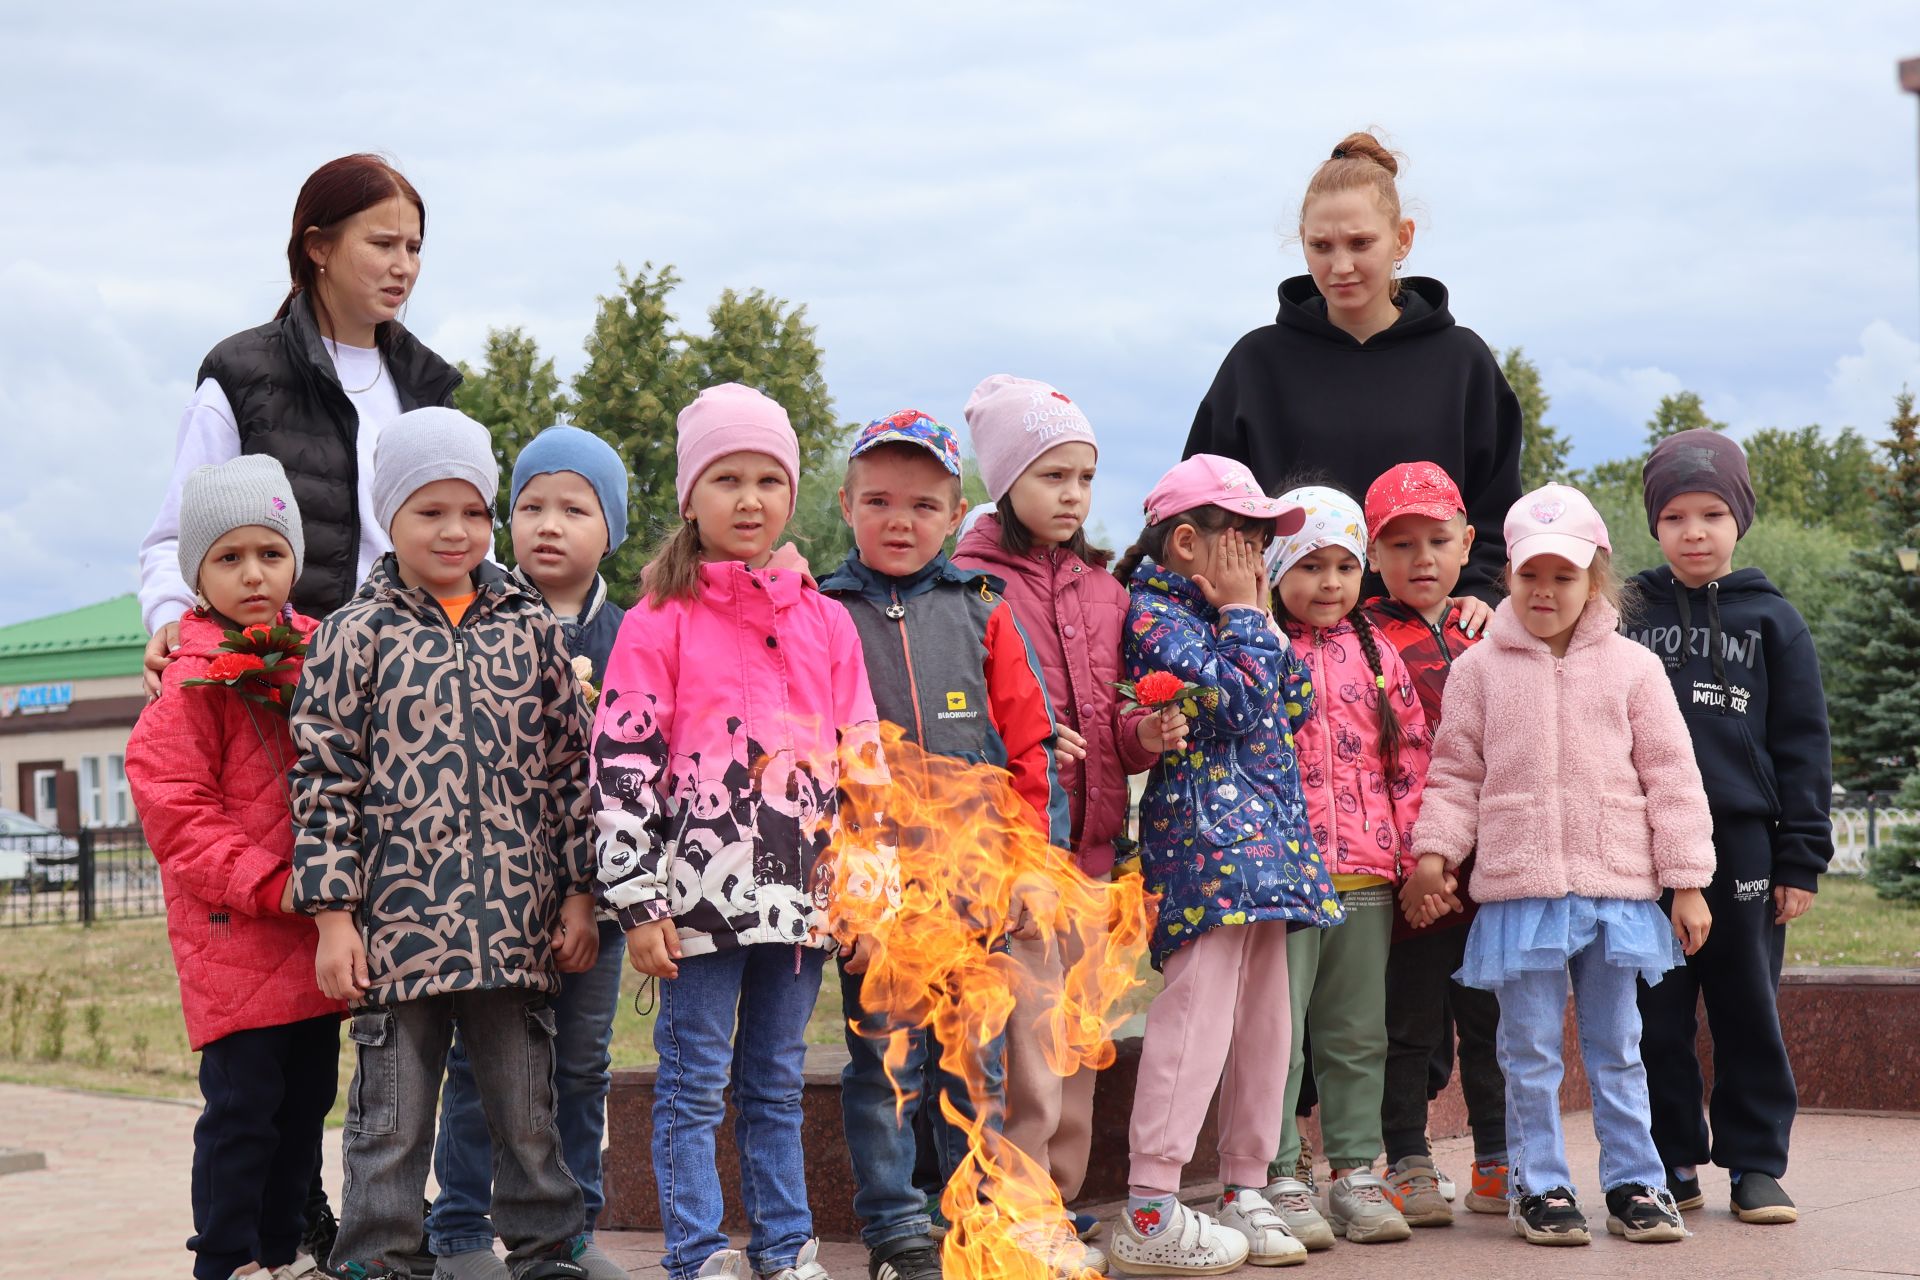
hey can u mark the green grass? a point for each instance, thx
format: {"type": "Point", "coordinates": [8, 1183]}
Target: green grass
{"type": "Point", "coordinates": [50, 976]}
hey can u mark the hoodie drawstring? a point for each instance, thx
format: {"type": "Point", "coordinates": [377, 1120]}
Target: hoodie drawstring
{"type": "Point", "coordinates": [1678, 657]}
{"type": "Point", "coordinates": [1714, 648]}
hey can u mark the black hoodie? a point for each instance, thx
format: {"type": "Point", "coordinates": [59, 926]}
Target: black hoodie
{"type": "Point", "coordinates": [1304, 394]}
{"type": "Point", "coordinates": [1748, 681]}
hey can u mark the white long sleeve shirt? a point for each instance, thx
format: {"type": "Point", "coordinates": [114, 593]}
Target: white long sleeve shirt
{"type": "Point", "coordinates": [208, 434]}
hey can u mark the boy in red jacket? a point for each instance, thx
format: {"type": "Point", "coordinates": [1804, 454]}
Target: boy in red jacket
{"type": "Point", "coordinates": [1420, 545]}
{"type": "Point", "coordinates": [207, 765]}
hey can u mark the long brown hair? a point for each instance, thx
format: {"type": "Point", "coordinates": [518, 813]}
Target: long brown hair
{"type": "Point", "coordinates": [672, 572]}
{"type": "Point", "coordinates": [1015, 537]}
{"type": "Point", "coordinates": [331, 194]}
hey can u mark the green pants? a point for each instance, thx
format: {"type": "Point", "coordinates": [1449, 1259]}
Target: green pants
{"type": "Point", "coordinates": [1338, 981]}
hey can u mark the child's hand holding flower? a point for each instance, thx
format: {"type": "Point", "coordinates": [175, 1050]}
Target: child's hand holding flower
{"type": "Point", "coordinates": [583, 671]}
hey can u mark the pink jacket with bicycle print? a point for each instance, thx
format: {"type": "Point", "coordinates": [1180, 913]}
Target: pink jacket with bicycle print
{"type": "Point", "coordinates": [716, 758]}
{"type": "Point", "coordinates": [1362, 815]}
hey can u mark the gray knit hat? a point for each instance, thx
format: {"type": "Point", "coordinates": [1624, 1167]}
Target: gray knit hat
{"type": "Point", "coordinates": [426, 445]}
{"type": "Point", "coordinates": [248, 490]}
{"type": "Point", "coordinates": [1697, 461]}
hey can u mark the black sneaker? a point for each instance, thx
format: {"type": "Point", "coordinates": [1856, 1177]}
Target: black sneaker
{"type": "Point", "coordinates": [912, 1259]}
{"type": "Point", "coordinates": [1685, 1191]}
{"type": "Point", "coordinates": [1759, 1197]}
{"type": "Point", "coordinates": [1552, 1217]}
{"type": "Point", "coordinates": [1643, 1215]}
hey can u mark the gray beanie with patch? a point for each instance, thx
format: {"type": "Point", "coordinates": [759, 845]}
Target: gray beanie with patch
{"type": "Point", "coordinates": [425, 445]}
{"type": "Point", "coordinates": [217, 499]}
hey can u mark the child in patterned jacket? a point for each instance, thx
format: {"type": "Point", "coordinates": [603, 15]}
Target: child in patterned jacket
{"type": "Point", "coordinates": [1226, 847]}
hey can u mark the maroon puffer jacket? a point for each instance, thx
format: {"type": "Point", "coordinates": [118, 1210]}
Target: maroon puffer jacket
{"type": "Point", "coordinates": [1074, 615]}
{"type": "Point", "coordinates": [212, 792]}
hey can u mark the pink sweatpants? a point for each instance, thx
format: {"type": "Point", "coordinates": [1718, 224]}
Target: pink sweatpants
{"type": "Point", "coordinates": [1225, 1004]}
{"type": "Point", "coordinates": [1049, 1118]}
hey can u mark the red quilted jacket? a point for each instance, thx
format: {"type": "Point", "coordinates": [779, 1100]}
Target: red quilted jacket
{"type": "Point", "coordinates": [212, 792]}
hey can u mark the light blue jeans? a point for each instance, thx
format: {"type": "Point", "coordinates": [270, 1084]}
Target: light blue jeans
{"type": "Point", "coordinates": [1532, 1011]}
{"type": "Point", "coordinates": [463, 1153]}
{"type": "Point", "coordinates": [768, 990]}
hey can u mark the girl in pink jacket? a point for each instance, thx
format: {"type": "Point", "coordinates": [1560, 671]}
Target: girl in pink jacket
{"type": "Point", "coordinates": [1363, 759]}
{"type": "Point", "coordinates": [1037, 455]}
{"type": "Point", "coordinates": [716, 749]}
{"type": "Point", "coordinates": [1563, 759]}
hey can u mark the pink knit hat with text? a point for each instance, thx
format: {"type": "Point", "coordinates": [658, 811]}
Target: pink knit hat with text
{"type": "Point", "coordinates": [728, 419]}
{"type": "Point", "coordinates": [1012, 421]}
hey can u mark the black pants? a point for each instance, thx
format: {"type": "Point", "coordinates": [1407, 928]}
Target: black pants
{"type": "Point", "coordinates": [1738, 974]}
{"type": "Point", "coordinates": [1422, 998]}
{"type": "Point", "coordinates": [257, 1143]}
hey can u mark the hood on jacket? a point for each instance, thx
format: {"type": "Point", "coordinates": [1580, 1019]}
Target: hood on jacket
{"type": "Point", "coordinates": [1422, 302]}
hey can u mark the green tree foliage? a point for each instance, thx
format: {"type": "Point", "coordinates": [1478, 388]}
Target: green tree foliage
{"type": "Point", "coordinates": [1873, 681]}
{"type": "Point", "coordinates": [1893, 867]}
{"type": "Point", "coordinates": [1681, 411]}
{"type": "Point", "coordinates": [516, 395]}
{"type": "Point", "coordinates": [1543, 450]}
{"type": "Point", "coordinates": [1812, 479]}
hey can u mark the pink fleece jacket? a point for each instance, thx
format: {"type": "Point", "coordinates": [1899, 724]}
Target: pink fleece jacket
{"type": "Point", "coordinates": [1570, 775]}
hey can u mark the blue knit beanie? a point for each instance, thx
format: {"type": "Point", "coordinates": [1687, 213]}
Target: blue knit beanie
{"type": "Point", "coordinates": [564, 448]}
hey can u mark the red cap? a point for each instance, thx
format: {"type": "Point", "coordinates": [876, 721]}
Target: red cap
{"type": "Point", "coordinates": [1412, 489]}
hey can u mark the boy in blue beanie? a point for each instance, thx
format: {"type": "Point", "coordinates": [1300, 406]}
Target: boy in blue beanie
{"type": "Point", "coordinates": [567, 513]}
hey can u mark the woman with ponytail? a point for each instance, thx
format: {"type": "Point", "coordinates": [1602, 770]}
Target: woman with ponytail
{"type": "Point", "coordinates": [1365, 368]}
{"type": "Point", "coordinates": [311, 388]}
{"type": "Point", "coordinates": [1363, 760]}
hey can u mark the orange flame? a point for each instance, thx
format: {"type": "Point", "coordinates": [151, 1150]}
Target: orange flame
{"type": "Point", "coordinates": [939, 861]}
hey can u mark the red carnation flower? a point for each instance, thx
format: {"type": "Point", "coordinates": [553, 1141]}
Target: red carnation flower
{"type": "Point", "coordinates": [231, 666]}
{"type": "Point", "coordinates": [258, 634]}
{"type": "Point", "coordinates": [1157, 688]}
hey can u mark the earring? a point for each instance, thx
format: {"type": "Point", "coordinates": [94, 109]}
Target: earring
{"type": "Point", "coordinates": [1399, 265]}
{"type": "Point", "coordinates": [201, 602]}
{"type": "Point", "coordinates": [323, 271]}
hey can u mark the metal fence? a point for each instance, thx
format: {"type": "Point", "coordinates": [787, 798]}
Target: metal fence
{"type": "Point", "coordinates": [1855, 831]}
{"type": "Point", "coordinates": [97, 874]}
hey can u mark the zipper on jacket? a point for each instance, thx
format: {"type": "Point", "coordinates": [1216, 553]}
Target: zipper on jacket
{"type": "Point", "coordinates": [898, 612]}
{"type": "Point", "coordinates": [1440, 638]}
{"type": "Point", "coordinates": [476, 844]}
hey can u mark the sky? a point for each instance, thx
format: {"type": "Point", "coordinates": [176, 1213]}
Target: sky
{"type": "Point", "coordinates": [1646, 197]}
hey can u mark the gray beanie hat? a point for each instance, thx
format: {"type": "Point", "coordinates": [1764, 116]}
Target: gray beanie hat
{"type": "Point", "coordinates": [248, 490]}
{"type": "Point", "coordinates": [425, 445]}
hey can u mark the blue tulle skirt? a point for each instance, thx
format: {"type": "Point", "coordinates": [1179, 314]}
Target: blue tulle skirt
{"type": "Point", "coordinates": [1534, 934]}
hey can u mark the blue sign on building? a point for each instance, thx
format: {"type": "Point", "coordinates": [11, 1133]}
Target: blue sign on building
{"type": "Point", "coordinates": [36, 699]}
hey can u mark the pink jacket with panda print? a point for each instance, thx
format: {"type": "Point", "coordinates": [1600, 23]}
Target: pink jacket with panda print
{"type": "Point", "coordinates": [716, 758]}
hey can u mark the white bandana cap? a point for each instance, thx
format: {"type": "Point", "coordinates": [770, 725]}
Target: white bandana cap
{"type": "Point", "coordinates": [1333, 520]}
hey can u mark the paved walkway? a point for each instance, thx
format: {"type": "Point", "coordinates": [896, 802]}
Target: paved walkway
{"type": "Point", "coordinates": [113, 1202]}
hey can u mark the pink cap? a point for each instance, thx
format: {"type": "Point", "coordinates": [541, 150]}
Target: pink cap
{"type": "Point", "coordinates": [1209, 480]}
{"type": "Point", "coordinates": [1012, 421]}
{"type": "Point", "coordinates": [1555, 520]}
{"type": "Point", "coordinates": [728, 419]}
{"type": "Point", "coordinates": [1412, 489]}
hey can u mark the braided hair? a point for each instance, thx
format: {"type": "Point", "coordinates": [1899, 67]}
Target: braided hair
{"type": "Point", "coordinates": [1390, 731]}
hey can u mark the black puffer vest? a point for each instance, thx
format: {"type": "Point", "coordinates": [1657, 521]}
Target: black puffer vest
{"type": "Point", "coordinates": [288, 403]}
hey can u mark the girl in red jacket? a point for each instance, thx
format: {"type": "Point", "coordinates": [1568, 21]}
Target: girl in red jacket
{"type": "Point", "coordinates": [207, 765]}
{"type": "Point", "coordinates": [1037, 456]}
{"type": "Point", "coordinates": [1564, 765]}
{"type": "Point", "coordinates": [1363, 757]}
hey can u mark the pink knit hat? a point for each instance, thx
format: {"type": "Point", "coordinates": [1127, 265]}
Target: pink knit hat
{"type": "Point", "coordinates": [1011, 421]}
{"type": "Point", "coordinates": [728, 419]}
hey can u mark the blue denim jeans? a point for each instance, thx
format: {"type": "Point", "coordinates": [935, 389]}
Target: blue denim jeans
{"type": "Point", "coordinates": [768, 989]}
{"type": "Point", "coordinates": [1532, 1012]}
{"type": "Point", "coordinates": [880, 1133]}
{"type": "Point", "coordinates": [463, 1154]}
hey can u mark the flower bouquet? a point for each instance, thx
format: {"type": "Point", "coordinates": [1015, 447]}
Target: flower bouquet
{"type": "Point", "coordinates": [258, 663]}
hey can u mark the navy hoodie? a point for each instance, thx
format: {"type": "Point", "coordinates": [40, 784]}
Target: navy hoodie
{"type": "Point", "coordinates": [1303, 394]}
{"type": "Point", "coordinates": [1744, 668]}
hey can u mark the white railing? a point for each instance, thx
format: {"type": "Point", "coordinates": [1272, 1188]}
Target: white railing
{"type": "Point", "coordinates": [1850, 836]}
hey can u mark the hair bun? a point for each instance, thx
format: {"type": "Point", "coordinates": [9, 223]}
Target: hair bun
{"type": "Point", "coordinates": [1364, 146]}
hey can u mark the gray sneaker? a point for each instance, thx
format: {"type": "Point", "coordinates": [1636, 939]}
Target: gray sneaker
{"type": "Point", "coordinates": [1292, 1199]}
{"type": "Point", "coordinates": [1360, 1208]}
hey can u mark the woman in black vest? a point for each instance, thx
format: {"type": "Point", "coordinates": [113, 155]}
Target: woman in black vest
{"type": "Point", "coordinates": [1365, 369]}
{"type": "Point", "coordinates": [312, 388]}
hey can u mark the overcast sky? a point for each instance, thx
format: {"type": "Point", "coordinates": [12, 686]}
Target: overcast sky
{"type": "Point", "coordinates": [1647, 197]}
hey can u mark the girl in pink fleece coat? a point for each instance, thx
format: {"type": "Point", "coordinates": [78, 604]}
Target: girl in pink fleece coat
{"type": "Point", "coordinates": [1563, 759]}
{"type": "Point", "coordinates": [1363, 759]}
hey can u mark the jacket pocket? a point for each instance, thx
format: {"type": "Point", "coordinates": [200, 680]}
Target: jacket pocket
{"type": "Point", "coordinates": [541, 1030]}
{"type": "Point", "coordinates": [1230, 809]}
{"type": "Point", "coordinates": [373, 1108]}
{"type": "Point", "coordinates": [1762, 767]}
{"type": "Point", "coordinates": [1626, 842]}
{"type": "Point", "coordinates": [1508, 833]}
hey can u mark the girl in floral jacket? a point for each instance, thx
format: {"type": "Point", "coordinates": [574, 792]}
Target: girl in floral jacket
{"type": "Point", "coordinates": [1363, 758]}
{"type": "Point", "coordinates": [207, 764]}
{"type": "Point", "coordinates": [1225, 845]}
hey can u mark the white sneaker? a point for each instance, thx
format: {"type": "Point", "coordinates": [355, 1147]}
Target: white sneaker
{"type": "Point", "coordinates": [1447, 1190]}
{"type": "Point", "coordinates": [1292, 1199]}
{"type": "Point", "coordinates": [731, 1263]}
{"type": "Point", "coordinates": [1269, 1243]}
{"type": "Point", "coordinates": [1060, 1249]}
{"type": "Point", "coordinates": [805, 1267]}
{"type": "Point", "coordinates": [1192, 1244]}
